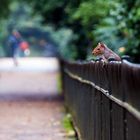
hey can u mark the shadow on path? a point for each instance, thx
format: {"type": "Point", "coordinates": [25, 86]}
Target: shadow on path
{"type": "Point", "coordinates": [54, 97]}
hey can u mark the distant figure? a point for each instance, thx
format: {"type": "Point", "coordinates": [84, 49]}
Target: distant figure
{"type": "Point", "coordinates": [13, 42]}
{"type": "Point", "coordinates": [48, 49]}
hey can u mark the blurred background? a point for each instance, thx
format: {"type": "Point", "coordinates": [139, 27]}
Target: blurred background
{"type": "Point", "coordinates": [40, 31]}
{"type": "Point", "coordinates": [72, 28]}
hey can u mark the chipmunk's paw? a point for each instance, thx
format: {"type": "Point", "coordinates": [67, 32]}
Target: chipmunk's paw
{"type": "Point", "coordinates": [104, 63]}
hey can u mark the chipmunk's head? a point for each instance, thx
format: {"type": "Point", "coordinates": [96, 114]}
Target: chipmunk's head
{"type": "Point", "coordinates": [99, 50]}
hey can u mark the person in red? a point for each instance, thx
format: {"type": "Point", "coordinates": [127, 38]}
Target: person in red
{"type": "Point", "coordinates": [24, 47]}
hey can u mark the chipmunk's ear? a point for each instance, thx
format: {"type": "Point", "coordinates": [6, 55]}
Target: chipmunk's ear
{"type": "Point", "coordinates": [101, 45]}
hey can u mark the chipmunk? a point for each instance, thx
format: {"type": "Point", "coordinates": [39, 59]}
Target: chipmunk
{"type": "Point", "coordinates": [102, 51]}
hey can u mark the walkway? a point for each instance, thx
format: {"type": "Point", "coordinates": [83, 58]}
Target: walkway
{"type": "Point", "coordinates": [30, 108]}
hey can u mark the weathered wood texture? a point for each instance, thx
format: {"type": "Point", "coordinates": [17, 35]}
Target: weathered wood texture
{"type": "Point", "coordinates": [104, 99]}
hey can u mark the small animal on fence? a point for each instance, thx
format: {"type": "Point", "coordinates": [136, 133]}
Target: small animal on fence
{"type": "Point", "coordinates": [104, 53]}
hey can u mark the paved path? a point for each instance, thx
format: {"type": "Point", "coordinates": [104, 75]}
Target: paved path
{"type": "Point", "coordinates": [30, 109]}
{"type": "Point", "coordinates": [31, 120]}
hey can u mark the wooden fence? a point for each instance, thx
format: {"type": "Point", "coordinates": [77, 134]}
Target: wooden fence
{"type": "Point", "coordinates": [104, 99]}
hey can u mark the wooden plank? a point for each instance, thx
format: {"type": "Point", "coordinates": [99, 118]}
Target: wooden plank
{"type": "Point", "coordinates": [117, 122]}
{"type": "Point", "coordinates": [105, 118]}
{"type": "Point", "coordinates": [133, 128]}
{"type": "Point", "coordinates": [97, 116]}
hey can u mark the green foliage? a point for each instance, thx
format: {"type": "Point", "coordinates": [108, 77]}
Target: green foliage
{"type": "Point", "coordinates": [91, 11]}
{"type": "Point", "coordinates": [4, 7]}
{"type": "Point", "coordinates": [79, 16]}
{"type": "Point", "coordinates": [21, 17]}
{"type": "Point", "coordinates": [63, 38]}
{"type": "Point", "coordinates": [67, 123]}
{"type": "Point", "coordinates": [132, 19]}
{"type": "Point", "coordinates": [120, 29]}
{"type": "Point", "coordinates": [80, 25]}
{"type": "Point", "coordinates": [111, 30]}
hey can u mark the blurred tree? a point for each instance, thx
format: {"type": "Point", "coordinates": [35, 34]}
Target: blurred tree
{"type": "Point", "coordinates": [88, 14]}
{"type": "Point", "coordinates": [21, 17]}
{"type": "Point", "coordinates": [116, 23]}
{"type": "Point", "coordinates": [78, 15]}
{"type": "Point", "coordinates": [132, 30]}
{"type": "Point", "coordinates": [64, 39]}
{"type": "Point", "coordinates": [120, 29]}
{"type": "Point", "coordinates": [4, 8]}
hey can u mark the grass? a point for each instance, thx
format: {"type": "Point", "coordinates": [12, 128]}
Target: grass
{"type": "Point", "coordinates": [67, 123]}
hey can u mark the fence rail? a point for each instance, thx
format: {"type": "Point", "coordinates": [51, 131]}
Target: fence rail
{"type": "Point", "coordinates": [104, 99]}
